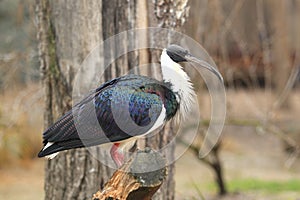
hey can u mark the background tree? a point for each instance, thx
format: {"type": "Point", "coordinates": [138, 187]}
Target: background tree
{"type": "Point", "coordinates": [67, 32]}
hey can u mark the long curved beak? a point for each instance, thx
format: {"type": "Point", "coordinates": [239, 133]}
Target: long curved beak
{"type": "Point", "coordinates": [205, 64]}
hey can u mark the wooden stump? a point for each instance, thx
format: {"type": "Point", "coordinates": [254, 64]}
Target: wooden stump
{"type": "Point", "coordinates": [139, 178]}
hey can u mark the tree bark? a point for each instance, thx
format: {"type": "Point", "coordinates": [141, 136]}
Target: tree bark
{"type": "Point", "coordinates": [67, 32]}
{"type": "Point", "coordinates": [65, 37]}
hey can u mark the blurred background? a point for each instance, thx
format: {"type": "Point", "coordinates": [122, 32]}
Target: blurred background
{"type": "Point", "coordinates": [255, 44]}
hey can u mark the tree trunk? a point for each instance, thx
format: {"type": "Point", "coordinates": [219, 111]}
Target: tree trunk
{"type": "Point", "coordinates": [67, 32]}
{"type": "Point", "coordinates": [281, 51]}
{"type": "Point", "coordinates": [218, 170]}
{"type": "Point", "coordinates": [65, 38]}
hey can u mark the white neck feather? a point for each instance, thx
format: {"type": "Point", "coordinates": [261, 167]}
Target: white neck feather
{"type": "Point", "coordinates": [181, 84]}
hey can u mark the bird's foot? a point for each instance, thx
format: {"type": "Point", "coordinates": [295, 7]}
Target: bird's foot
{"type": "Point", "coordinates": [116, 155]}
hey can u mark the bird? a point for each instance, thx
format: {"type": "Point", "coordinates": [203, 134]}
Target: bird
{"type": "Point", "coordinates": [126, 108]}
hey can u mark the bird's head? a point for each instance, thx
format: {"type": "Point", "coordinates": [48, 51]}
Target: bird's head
{"type": "Point", "coordinates": [173, 73]}
{"type": "Point", "coordinates": [178, 54]}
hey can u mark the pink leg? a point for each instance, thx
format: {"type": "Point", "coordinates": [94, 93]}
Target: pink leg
{"type": "Point", "coordinates": [117, 156]}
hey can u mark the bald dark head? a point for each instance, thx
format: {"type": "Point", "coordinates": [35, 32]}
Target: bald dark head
{"type": "Point", "coordinates": [177, 53]}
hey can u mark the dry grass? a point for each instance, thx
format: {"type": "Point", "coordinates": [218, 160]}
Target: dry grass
{"type": "Point", "coordinates": [21, 125]}
{"type": "Point", "coordinates": [254, 105]}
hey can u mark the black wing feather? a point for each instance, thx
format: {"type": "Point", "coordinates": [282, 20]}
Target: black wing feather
{"type": "Point", "coordinates": [64, 133]}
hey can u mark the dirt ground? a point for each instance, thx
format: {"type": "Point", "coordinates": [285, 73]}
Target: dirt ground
{"type": "Point", "coordinates": [247, 153]}
{"type": "Point", "coordinates": [24, 182]}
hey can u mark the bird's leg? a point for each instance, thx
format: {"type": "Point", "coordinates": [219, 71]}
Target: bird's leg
{"type": "Point", "coordinates": [116, 155]}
